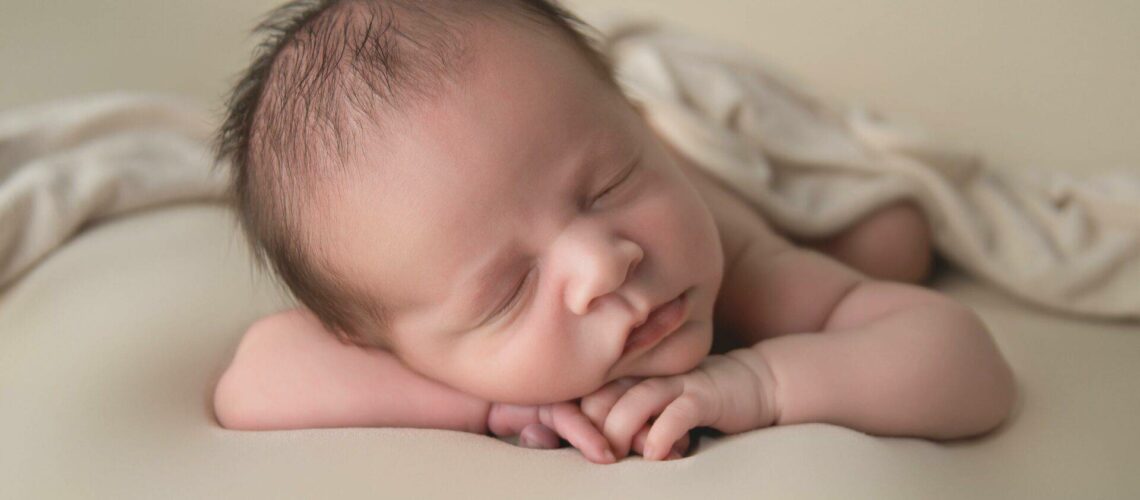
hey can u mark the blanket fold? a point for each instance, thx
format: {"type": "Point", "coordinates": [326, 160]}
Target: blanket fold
{"type": "Point", "coordinates": [69, 163]}
{"type": "Point", "coordinates": [1068, 243]}
{"type": "Point", "coordinates": [1071, 244]}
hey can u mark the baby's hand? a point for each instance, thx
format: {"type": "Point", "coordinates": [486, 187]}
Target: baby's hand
{"type": "Point", "coordinates": [722, 393]}
{"type": "Point", "coordinates": [624, 410]}
{"type": "Point", "coordinates": [540, 427]}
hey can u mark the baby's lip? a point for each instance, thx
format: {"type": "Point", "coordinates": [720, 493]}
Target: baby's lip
{"type": "Point", "coordinates": [661, 320]}
{"type": "Point", "coordinates": [655, 309]}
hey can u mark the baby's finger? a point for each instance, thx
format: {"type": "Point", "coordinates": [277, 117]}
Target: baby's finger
{"type": "Point", "coordinates": [510, 420]}
{"type": "Point", "coordinates": [568, 420]}
{"type": "Point", "coordinates": [680, 448]}
{"type": "Point", "coordinates": [634, 409]}
{"type": "Point", "coordinates": [638, 443]}
{"type": "Point", "coordinates": [539, 437]}
{"type": "Point", "coordinates": [597, 406]}
{"type": "Point", "coordinates": [670, 427]}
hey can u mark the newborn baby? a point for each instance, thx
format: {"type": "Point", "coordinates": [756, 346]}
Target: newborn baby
{"type": "Point", "coordinates": [486, 236]}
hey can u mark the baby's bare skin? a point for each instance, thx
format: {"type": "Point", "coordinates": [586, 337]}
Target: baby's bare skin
{"type": "Point", "coordinates": [799, 337]}
{"type": "Point", "coordinates": [319, 382]}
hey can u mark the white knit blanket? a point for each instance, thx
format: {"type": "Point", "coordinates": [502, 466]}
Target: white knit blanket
{"type": "Point", "coordinates": [1071, 244]}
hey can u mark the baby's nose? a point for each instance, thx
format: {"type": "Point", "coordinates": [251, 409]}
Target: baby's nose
{"type": "Point", "coordinates": [602, 272]}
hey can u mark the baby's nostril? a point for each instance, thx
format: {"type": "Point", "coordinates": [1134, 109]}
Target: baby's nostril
{"type": "Point", "coordinates": [593, 303]}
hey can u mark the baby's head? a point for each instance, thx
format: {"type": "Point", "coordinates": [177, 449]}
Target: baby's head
{"type": "Point", "coordinates": [461, 182]}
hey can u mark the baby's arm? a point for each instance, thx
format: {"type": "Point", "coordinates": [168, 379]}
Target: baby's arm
{"type": "Point", "coordinates": [290, 373]}
{"type": "Point", "coordinates": [827, 345]}
{"type": "Point", "coordinates": [888, 358]}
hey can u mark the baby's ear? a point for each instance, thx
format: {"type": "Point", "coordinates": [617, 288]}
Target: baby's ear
{"type": "Point", "coordinates": [380, 340]}
{"type": "Point", "coordinates": [345, 339]}
{"type": "Point", "coordinates": [368, 338]}
{"type": "Point", "coordinates": [377, 342]}
{"type": "Point", "coordinates": [341, 335]}
{"type": "Point", "coordinates": [369, 341]}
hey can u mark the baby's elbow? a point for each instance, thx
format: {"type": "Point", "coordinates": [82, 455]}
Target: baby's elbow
{"type": "Point", "coordinates": [1002, 404]}
{"type": "Point", "coordinates": [241, 399]}
{"type": "Point", "coordinates": [992, 406]}
{"type": "Point", "coordinates": [232, 405]}
{"type": "Point", "coordinates": [1001, 395]}
{"type": "Point", "coordinates": [226, 411]}
{"type": "Point", "coordinates": [987, 387]}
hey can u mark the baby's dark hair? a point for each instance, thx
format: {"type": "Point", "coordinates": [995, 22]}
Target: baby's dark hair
{"type": "Point", "coordinates": [324, 70]}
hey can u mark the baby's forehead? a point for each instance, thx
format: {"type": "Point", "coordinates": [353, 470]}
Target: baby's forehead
{"type": "Point", "coordinates": [512, 71]}
{"type": "Point", "coordinates": [521, 106]}
{"type": "Point", "coordinates": [459, 174]}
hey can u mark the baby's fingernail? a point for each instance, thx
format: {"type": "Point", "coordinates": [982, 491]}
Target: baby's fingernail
{"type": "Point", "coordinates": [609, 456]}
{"type": "Point", "coordinates": [647, 453]}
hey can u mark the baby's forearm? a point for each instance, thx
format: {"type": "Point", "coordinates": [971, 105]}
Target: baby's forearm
{"type": "Point", "coordinates": [930, 370]}
{"type": "Point", "coordinates": [288, 373]}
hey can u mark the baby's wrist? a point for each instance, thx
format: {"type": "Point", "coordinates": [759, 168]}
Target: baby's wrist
{"type": "Point", "coordinates": [746, 389]}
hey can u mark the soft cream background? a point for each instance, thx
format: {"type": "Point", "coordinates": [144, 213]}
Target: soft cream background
{"type": "Point", "coordinates": [1031, 84]}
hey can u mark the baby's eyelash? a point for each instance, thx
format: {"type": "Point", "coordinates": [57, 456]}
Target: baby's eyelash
{"type": "Point", "coordinates": [626, 175]}
{"type": "Point", "coordinates": [510, 303]}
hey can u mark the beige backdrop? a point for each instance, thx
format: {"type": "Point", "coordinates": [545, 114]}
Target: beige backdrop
{"type": "Point", "coordinates": [1043, 83]}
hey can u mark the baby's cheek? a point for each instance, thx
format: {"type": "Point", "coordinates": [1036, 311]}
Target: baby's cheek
{"type": "Point", "coordinates": [681, 352]}
{"type": "Point", "coordinates": [536, 369]}
{"type": "Point", "coordinates": [683, 224]}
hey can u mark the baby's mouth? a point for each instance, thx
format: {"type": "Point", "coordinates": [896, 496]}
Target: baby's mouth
{"type": "Point", "coordinates": [661, 321]}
